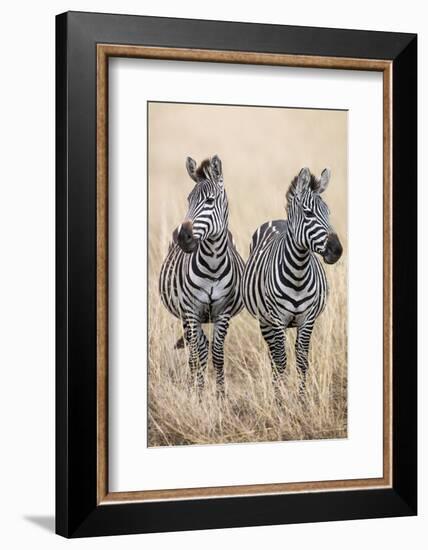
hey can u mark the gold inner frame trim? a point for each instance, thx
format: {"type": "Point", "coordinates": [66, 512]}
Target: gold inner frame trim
{"type": "Point", "coordinates": [104, 51]}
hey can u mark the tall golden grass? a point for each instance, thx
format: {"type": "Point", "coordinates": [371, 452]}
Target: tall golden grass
{"type": "Point", "coordinates": [249, 413]}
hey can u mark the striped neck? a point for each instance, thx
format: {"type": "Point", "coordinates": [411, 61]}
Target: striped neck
{"type": "Point", "coordinates": [293, 261]}
{"type": "Point", "coordinates": [212, 252]}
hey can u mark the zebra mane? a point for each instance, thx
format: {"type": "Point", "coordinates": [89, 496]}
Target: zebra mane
{"type": "Point", "coordinates": [314, 185]}
{"type": "Point", "coordinates": [204, 169]}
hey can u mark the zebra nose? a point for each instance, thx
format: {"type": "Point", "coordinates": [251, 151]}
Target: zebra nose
{"type": "Point", "coordinates": [185, 238]}
{"type": "Point", "coordinates": [333, 250]}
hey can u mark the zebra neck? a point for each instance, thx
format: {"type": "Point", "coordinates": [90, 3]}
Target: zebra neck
{"type": "Point", "coordinates": [214, 251]}
{"type": "Point", "coordinates": [294, 261]}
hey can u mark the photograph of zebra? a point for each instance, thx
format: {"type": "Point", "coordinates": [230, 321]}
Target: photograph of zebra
{"type": "Point", "coordinates": [200, 280]}
{"type": "Point", "coordinates": [247, 274]}
{"type": "Point", "coordinates": [284, 284]}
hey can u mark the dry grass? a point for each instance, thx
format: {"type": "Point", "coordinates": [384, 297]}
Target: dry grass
{"type": "Point", "coordinates": [249, 413]}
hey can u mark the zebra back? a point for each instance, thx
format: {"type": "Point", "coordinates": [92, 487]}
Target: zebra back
{"type": "Point", "coordinates": [265, 231]}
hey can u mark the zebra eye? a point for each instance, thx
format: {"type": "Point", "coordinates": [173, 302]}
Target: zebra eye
{"type": "Point", "coordinates": [209, 201]}
{"type": "Point", "coordinates": [309, 213]}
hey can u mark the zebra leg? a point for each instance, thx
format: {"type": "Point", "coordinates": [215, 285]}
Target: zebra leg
{"type": "Point", "coordinates": [275, 339]}
{"type": "Point", "coordinates": [197, 344]}
{"type": "Point", "coordinates": [221, 326]}
{"type": "Point", "coordinates": [302, 350]}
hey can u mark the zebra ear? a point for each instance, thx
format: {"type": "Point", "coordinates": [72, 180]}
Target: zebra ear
{"type": "Point", "coordinates": [216, 169]}
{"type": "Point", "coordinates": [303, 181]}
{"type": "Point", "coordinates": [324, 179]}
{"type": "Point", "coordinates": [191, 168]}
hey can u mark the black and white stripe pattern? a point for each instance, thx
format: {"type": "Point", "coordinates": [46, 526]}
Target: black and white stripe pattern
{"type": "Point", "coordinates": [284, 283]}
{"type": "Point", "coordinates": [201, 275]}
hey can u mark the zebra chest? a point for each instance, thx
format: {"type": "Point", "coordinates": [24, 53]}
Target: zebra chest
{"type": "Point", "coordinates": [293, 296]}
{"type": "Point", "coordinates": [210, 293]}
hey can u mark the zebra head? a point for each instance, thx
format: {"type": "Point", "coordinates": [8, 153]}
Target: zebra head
{"type": "Point", "coordinates": [208, 213]}
{"type": "Point", "coordinates": [309, 216]}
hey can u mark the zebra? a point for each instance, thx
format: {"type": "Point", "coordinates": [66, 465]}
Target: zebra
{"type": "Point", "coordinates": [284, 284]}
{"type": "Point", "coordinates": [201, 275]}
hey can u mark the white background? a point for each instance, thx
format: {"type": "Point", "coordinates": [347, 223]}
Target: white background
{"type": "Point", "coordinates": [132, 82]}
{"type": "Point", "coordinates": [27, 274]}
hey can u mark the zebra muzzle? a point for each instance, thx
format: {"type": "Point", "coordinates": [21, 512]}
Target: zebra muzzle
{"type": "Point", "coordinates": [185, 239]}
{"type": "Point", "coordinates": [333, 250]}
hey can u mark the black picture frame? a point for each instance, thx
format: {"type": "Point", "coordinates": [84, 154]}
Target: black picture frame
{"type": "Point", "coordinates": [77, 511]}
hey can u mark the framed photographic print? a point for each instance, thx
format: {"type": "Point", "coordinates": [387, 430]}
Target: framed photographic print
{"type": "Point", "coordinates": [236, 274]}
